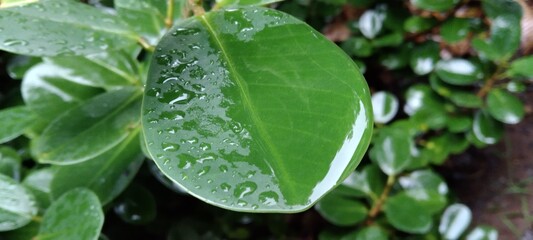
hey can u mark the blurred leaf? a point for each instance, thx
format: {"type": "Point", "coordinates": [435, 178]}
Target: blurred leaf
{"type": "Point", "coordinates": [421, 97]}
{"type": "Point", "coordinates": [416, 24]}
{"type": "Point", "coordinates": [435, 5]}
{"type": "Point", "coordinates": [515, 87]}
{"type": "Point", "coordinates": [18, 65]}
{"type": "Point", "coordinates": [243, 3]}
{"type": "Point", "coordinates": [51, 28]}
{"type": "Point", "coordinates": [369, 180]}
{"type": "Point", "coordinates": [482, 233]}
{"type": "Point", "coordinates": [458, 71]}
{"type": "Point", "coordinates": [89, 130]}
{"type": "Point", "coordinates": [371, 23]}
{"type": "Point", "coordinates": [367, 233]}
{"type": "Point", "coordinates": [391, 150]}
{"type": "Point", "coordinates": [14, 121]}
{"type": "Point", "coordinates": [357, 46]}
{"type": "Point", "coordinates": [142, 17]}
{"type": "Point", "coordinates": [454, 221]}
{"type": "Point", "coordinates": [396, 60]}
{"type": "Point", "coordinates": [341, 211]}
{"type": "Point", "coordinates": [505, 107]}
{"type": "Point", "coordinates": [10, 163]}
{"type": "Point", "coordinates": [75, 215]}
{"type": "Point", "coordinates": [38, 182]}
{"type": "Point", "coordinates": [24, 233]}
{"type": "Point", "coordinates": [428, 188]}
{"type": "Point", "coordinates": [390, 40]}
{"type": "Point", "coordinates": [17, 204]}
{"type": "Point", "coordinates": [455, 29]}
{"type": "Point", "coordinates": [424, 58]}
{"type": "Point", "coordinates": [385, 106]}
{"type": "Point", "coordinates": [521, 67]}
{"type": "Point", "coordinates": [466, 99]}
{"type": "Point", "coordinates": [486, 129]}
{"type": "Point", "coordinates": [459, 123]}
{"type": "Point", "coordinates": [136, 205]}
{"type": "Point", "coordinates": [407, 214]}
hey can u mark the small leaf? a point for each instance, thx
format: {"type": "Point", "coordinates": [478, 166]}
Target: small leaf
{"type": "Point", "coordinates": [435, 5]}
{"type": "Point", "coordinates": [38, 182]}
{"type": "Point", "coordinates": [455, 29]}
{"type": "Point", "coordinates": [367, 233]}
{"type": "Point", "coordinates": [391, 150]}
{"type": "Point", "coordinates": [244, 3]}
{"type": "Point", "coordinates": [14, 121]}
{"type": "Point", "coordinates": [504, 38]}
{"type": "Point", "coordinates": [90, 129]}
{"type": "Point", "coordinates": [18, 65]}
{"type": "Point", "coordinates": [466, 99]}
{"type": "Point", "coordinates": [424, 58]}
{"type": "Point", "coordinates": [427, 188]}
{"type": "Point", "coordinates": [17, 204]}
{"type": "Point", "coordinates": [405, 213]}
{"type": "Point", "coordinates": [77, 206]}
{"type": "Point", "coordinates": [396, 60]}
{"type": "Point", "coordinates": [486, 129]}
{"type": "Point", "coordinates": [51, 28]}
{"type": "Point", "coordinates": [420, 97]}
{"type": "Point", "coordinates": [505, 107]}
{"type": "Point", "coordinates": [357, 46]}
{"type": "Point", "coordinates": [223, 99]}
{"type": "Point", "coordinates": [416, 24]}
{"type": "Point", "coordinates": [454, 221]}
{"type": "Point", "coordinates": [459, 123]}
{"type": "Point", "coordinates": [369, 181]}
{"type": "Point", "coordinates": [371, 23]}
{"type": "Point", "coordinates": [385, 106]}
{"type": "Point", "coordinates": [341, 211]}
{"type": "Point", "coordinates": [389, 40]}
{"type": "Point", "coordinates": [458, 71]}
{"type": "Point", "coordinates": [521, 67]}
{"type": "Point", "coordinates": [10, 163]}
{"type": "Point", "coordinates": [136, 205]}
{"type": "Point", "coordinates": [106, 175]}
{"type": "Point", "coordinates": [482, 233]}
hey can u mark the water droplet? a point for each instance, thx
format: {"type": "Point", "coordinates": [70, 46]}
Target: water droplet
{"type": "Point", "coordinates": [186, 31]}
{"type": "Point", "coordinates": [244, 189]}
{"type": "Point", "coordinates": [164, 59]}
{"type": "Point", "coordinates": [225, 187]}
{"type": "Point", "coordinates": [167, 161]}
{"type": "Point", "coordinates": [15, 42]}
{"type": "Point", "coordinates": [175, 115]}
{"type": "Point", "coordinates": [255, 206]}
{"type": "Point", "coordinates": [185, 161]}
{"type": "Point", "coordinates": [170, 147]}
{"type": "Point", "coordinates": [203, 171]}
{"type": "Point", "coordinates": [177, 96]}
{"type": "Point", "coordinates": [193, 140]}
{"type": "Point", "coordinates": [269, 198]}
{"type": "Point", "coordinates": [209, 180]}
{"type": "Point", "coordinates": [242, 203]}
{"type": "Point", "coordinates": [236, 127]}
{"type": "Point", "coordinates": [205, 146]}
{"type": "Point", "coordinates": [223, 168]}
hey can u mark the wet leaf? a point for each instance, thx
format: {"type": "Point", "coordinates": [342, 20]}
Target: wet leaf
{"type": "Point", "coordinates": [340, 210]}
{"type": "Point", "coordinates": [14, 121]}
{"type": "Point", "coordinates": [18, 65]}
{"type": "Point", "coordinates": [454, 221]}
{"type": "Point", "coordinates": [405, 213]}
{"type": "Point", "coordinates": [226, 109]}
{"type": "Point", "coordinates": [371, 23]}
{"type": "Point", "coordinates": [51, 28]}
{"type": "Point", "coordinates": [385, 106]}
{"type": "Point", "coordinates": [521, 67]}
{"type": "Point", "coordinates": [424, 58]}
{"type": "Point", "coordinates": [142, 17]}
{"type": "Point", "coordinates": [17, 204]}
{"type": "Point", "coordinates": [505, 107]}
{"type": "Point", "coordinates": [136, 205]}
{"type": "Point", "coordinates": [243, 3]}
{"type": "Point", "coordinates": [435, 5]}
{"type": "Point", "coordinates": [391, 150]}
{"type": "Point", "coordinates": [486, 129]}
{"type": "Point", "coordinates": [91, 129]}
{"type": "Point", "coordinates": [10, 163]}
{"type": "Point", "coordinates": [106, 175]}
{"type": "Point", "coordinates": [455, 29]}
{"type": "Point", "coordinates": [76, 206]}
{"type": "Point", "coordinates": [482, 233]}
{"type": "Point", "coordinates": [458, 71]}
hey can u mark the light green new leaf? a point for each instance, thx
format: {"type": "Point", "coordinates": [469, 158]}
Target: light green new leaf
{"type": "Point", "coordinates": [10, 162]}
{"type": "Point", "coordinates": [75, 215]}
{"type": "Point", "coordinates": [57, 27]}
{"type": "Point", "coordinates": [505, 107]}
{"type": "Point", "coordinates": [454, 221]}
{"type": "Point", "coordinates": [407, 214]}
{"type": "Point", "coordinates": [14, 121]}
{"type": "Point", "coordinates": [253, 110]}
{"type": "Point", "coordinates": [522, 67]}
{"type": "Point", "coordinates": [340, 210]}
{"type": "Point", "coordinates": [106, 175]}
{"type": "Point", "coordinates": [17, 204]}
{"type": "Point", "coordinates": [91, 129]}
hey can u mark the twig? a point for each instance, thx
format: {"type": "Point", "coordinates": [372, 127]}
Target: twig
{"type": "Point", "coordinates": [170, 14]}
{"type": "Point", "coordinates": [374, 211]}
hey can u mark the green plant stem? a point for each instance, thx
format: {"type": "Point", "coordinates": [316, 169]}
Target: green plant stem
{"type": "Point", "coordinates": [374, 211]}
{"type": "Point", "coordinates": [145, 44]}
{"type": "Point", "coordinates": [170, 14]}
{"type": "Point", "coordinates": [498, 75]}
{"type": "Point", "coordinates": [196, 6]}
{"type": "Point", "coordinates": [38, 219]}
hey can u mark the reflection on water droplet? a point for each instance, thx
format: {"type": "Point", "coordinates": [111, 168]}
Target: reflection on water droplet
{"type": "Point", "coordinates": [242, 203]}
{"type": "Point", "coordinates": [205, 146]}
{"type": "Point", "coordinates": [170, 147]}
{"type": "Point", "coordinates": [255, 206]}
{"type": "Point", "coordinates": [244, 189]}
{"type": "Point", "coordinates": [225, 187]}
{"type": "Point", "coordinates": [223, 168]}
{"type": "Point", "coordinates": [164, 59]}
{"type": "Point", "coordinates": [178, 95]}
{"type": "Point", "coordinates": [15, 42]}
{"type": "Point", "coordinates": [185, 161]}
{"type": "Point", "coordinates": [186, 31]}
{"type": "Point", "coordinates": [203, 171]}
{"type": "Point", "coordinates": [269, 198]}
{"type": "Point", "coordinates": [175, 115]}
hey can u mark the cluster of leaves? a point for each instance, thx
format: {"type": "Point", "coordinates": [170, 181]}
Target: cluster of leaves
{"type": "Point", "coordinates": [454, 63]}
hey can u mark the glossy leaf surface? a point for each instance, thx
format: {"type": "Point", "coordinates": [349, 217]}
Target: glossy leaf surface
{"type": "Point", "coordinates": [385, 106]}
{"type": "Point", "coordinates": [251, 109]}
{"type": "Point", "coordinates": [454, 221]}
{"type": "Point", "coordinates": [106, 175]}
{"type": "Point", "coordinates": [10, 163]}
{"type": "Point", "coordinates": [522, 67]}
{"type": "Point", "coordinates": [482, 233]}
{"type": "Point", "coordinates": [486, 129]}
{"type": "Point", "coordinates": [90, 129]}
{"type": "Point", "coordinates": [427, 188]}
{"type": "Point", "coordinates": [243, 3]}
{"type": "Point", "coordinates": [52, 27]}
{"type": "Point", "coordinates": [392, 150]}
{"type": "Point", "coordinates": [14, 121]}
{"type": "Point", "coordinates": [75, 215]}
{"type": "Point", "coordinates": [369, 180]}
{"type": "Point", "coordinates": [505, 107]}
{"type": "Point", "coordinates": [406, 213]}
{"type": "Point", "coordinates": [458, 71]}
{"type": "Point", "coordinates": [371, 23]}
{"type": "Point", "coordinates": [340, 210]}
{"type": "Point", "coordinates": [38, 182]}
{"type": "Point", "coordinates": [17, 204]}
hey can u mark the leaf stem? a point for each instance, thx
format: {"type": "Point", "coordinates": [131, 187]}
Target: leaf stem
{"type": "Point", "coordinates": [196, 6]}
{"type": "Point", "coordinates": [38, 219]}
{"type": "Point", "coordinates": [498, 75]}
{"type": "Point", "coordinates": [170, 14]}
{"type": "Point", "coordinates": [145, 44]}
{"type": "Point", "coordinates": [374, 211]}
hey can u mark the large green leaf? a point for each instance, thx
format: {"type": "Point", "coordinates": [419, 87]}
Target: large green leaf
{"type": "Point", "coordinates": [75, 215]}
{"type": "Point", "coordinates": [17, 204]}
{"type": "Point", "coordinates": [90, 129]}
{"type": "Point", "coordinates": [106, 175]}
{"type": "Point", "coordinates": [253, 110]}
{"type": "Point", "coordinates": [505, 107]}
{"type": "Point", "coordinates": [14, 121]}
{"type": "Point", "coordinates": [340, 210]}
{"type": "Point", "coordinates": [57, 27]}
{"type": "Point", "coordinates": [10, 162]}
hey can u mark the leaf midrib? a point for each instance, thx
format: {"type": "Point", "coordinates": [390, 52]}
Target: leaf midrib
{"type": "Point", "coordinates": [264, 136]}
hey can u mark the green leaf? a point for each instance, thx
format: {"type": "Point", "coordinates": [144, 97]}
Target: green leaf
{"type": "Point", "coordinates": [369, 181]}
{"type": "Point", "coordinates": [24, 233]}
{"type": "Point", "coordinates": [406, 214]}
{"type": "Point", "coordinates": [142, 17]}
{"type": "Point", "coordinates": [372, 232]}
{"type": "Point", "coordinates": [52, 27]}
{"type": "Point", "coordinates": [427, 188]}
{"type": "Point", "coordinates": [18, 65]}
{"type": "Point", "coordinates": [389, 40]}
{"type": "Point", "coordinates": [486, 129]}
{"type": "Point", "coordinates": [106, 175]}
{"type": "Point", "coordinates": [371, 23]}
{"type": "Point", "coordinates": [17, 204]}
{"type": "Point", "coordinates": [458, 71]}
{"type": "Point", "coordinates": [421, 97]}
{"type": "Point", "coordinates": [435, 5]}
{"type": "Point", "coordinates": [505, 107]}
{"type": "Point", "coordinates": [455, 29]}
{"type": "Point", "coordinates": [10, 163]}
{"type": "Point", "coordinates": [504, 38]}
{"type": "Point", "coordinates": [515, 86]}
{"type": "Point", "coordinates": [482, 233]}
{"type": "Point", "coordinates": [521, 67]}
{"type": "Point", "coordinates": [226, 109]}
{"type": "Point", "coordinates": [391, 150]}
{"type": "Point", "coordinates": [416, 24]}
{"type": "Point", "coordinates": [396, 60]}
{"type": "Point", "coordinates": [91, 129]}
{"type": "Point", "coordinates": [243, 3]}
{"type": "Point", "coordinates": [340, 210]}
{"type": "Point", "coordinates": [385, 106]}
{"type": "Point", "coordinates": [466, 99]}
{"type": "Point", "coordinates": [48, 92]}
{"type": "Point", "coordinates": [12, 3]}
{"type": "Point", "coordinates": [357, 46]}
{"type": "Point", "coordinates": [14, 121]}
{"type": "Point", "coordinates": [136, 205]}
{"type": "Point", "coordinates": [424, 58]}
{"type": "Point", "coordinates": [75, 215]}
{"type": "Point", "coordinates": [38, 182]}
{"type": "Point", "coordinates": [459, 123]}
{"type": "Point", "coordinates": [454, 221]}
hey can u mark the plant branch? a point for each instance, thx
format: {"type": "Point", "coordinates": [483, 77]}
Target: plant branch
{"type": "Point", "coordinates": [145, 44]}
{"type": "Point", "coordinates": [196, 6]}
{"type": "Point", "coordinates": [170, 14]}
{"type": "Point", "coordinates": [498, 75]}
{"type": "Point", "coordinates": [374, 211]}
